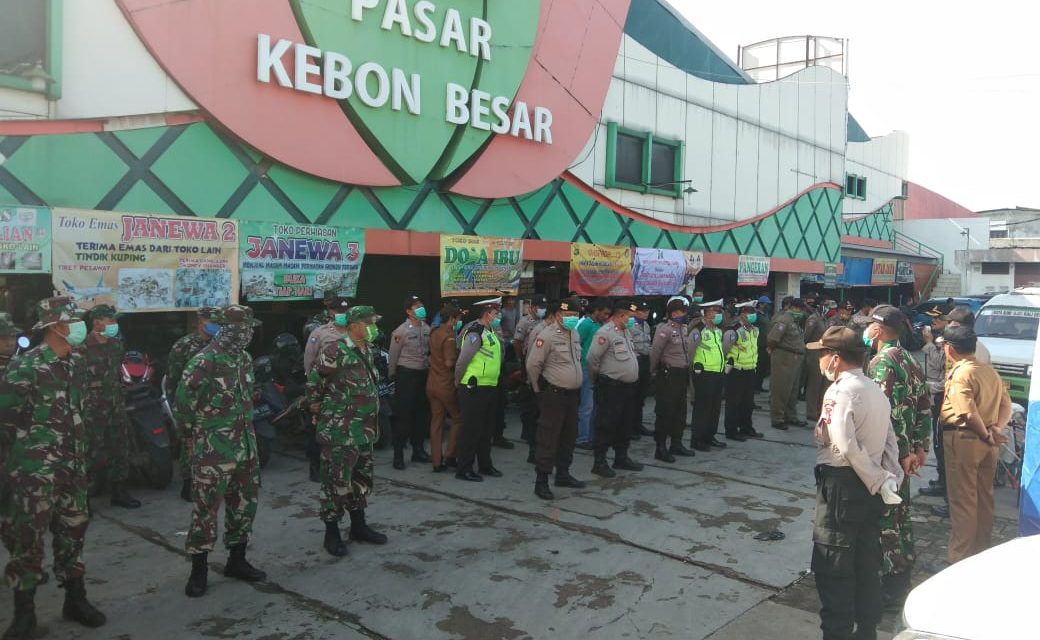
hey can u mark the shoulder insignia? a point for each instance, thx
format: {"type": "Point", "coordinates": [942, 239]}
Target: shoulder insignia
{"type": "Point", "coordinates": [602, 340]}
{"type": "Point", "coordinates": [312, 339]}
{"type": "Point", "coordinates": [397, 338]}
{"type": "Point", "coordinates": [474, 338]}
{"type": "Point", "coordinates": [539, 343]}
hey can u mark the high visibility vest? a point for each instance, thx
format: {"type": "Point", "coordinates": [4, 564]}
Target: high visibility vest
{"type": "Point", "coordinates": [486, 363]}
{"type": "Point", "coordinates": [709, 352]}
{"type": "Point", "coordinates": [745, 350]}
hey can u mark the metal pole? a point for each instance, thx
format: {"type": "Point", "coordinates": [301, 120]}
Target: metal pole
{"type": "Point", "coordinates": [967, 261]}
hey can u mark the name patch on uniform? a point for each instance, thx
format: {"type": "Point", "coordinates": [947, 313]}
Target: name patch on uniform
{"type": "Point", "coordinates": [539, 343]}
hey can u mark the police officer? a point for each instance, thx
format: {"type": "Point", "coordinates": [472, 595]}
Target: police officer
{"type": "Point", "coordinates": [476, 375]}
{"type": "Point", "coordinates": [815, 384]}
{"type": "Point", "coordinates": [215, 403]}
{"type": "Point", "coordinates": [595, 314]}
{"type": "Point", "coordinates": [670, 364]}
{"type": "Point", "coordinates": [554, 368]}
{"type": "Point", "coordinates": [334, 303]}
{"type": "Point", "coordinates": [764, 318]}
{"type": "Point", "coordinates": [410, 364]}
{"type": "Point", "coordinates": [709, 362]}
{"type": "Point", "coordinates": [532, 323]}
{"type": "Point", "coordinates": [342, 392]}
{"type": "Point", "coordinates": [334, 318]}
{"type": "Point", "coordinates": [182, 351]}
{"type": "Point", "coordinates": [41, 425]}
{"type": "Point", "coordinates": [786, 347]}
{"type": "Point", "coordinates": [740, 343]}
{"type": "Point", "coordinates": [612, 363]}
{"type": "Point", "coordinates": [642, 338]}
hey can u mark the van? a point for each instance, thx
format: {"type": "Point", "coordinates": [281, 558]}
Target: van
{"type": "Point", "coordinates": [1007, 325]}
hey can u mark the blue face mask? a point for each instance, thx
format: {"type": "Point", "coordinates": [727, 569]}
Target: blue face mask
{"type": "Point", "coordinates": [496, 322]}
{"type": "Point", "coordinates": [717, 320]}
{"type": "Point", "coordinates": [631, 322]}
{"type": "Point", "coordinates": [752, 318]}
{"type": "Point", "coordinates": [698, 299]}
{"type": "Point", "coordinates": [539, 313]}
{"type": "Point", "coordinates": [458, 326]}
{"type": "Point", "coordinates": [420, 313]}
{"type": "Point", "coordinates": [341, 319]}
{"type": "Point", "coordinates": [211, 328]}
{"type": "Point", "coordinates": [570, 323]}
{"type": "Point", "coordinates": [681, 319]}
{"type": "Point", "coordinates": [867, 341]}
{"type": "Point", "coordinates": [77, 333]}
{"type": "Point", "coordinates": [111, 331]}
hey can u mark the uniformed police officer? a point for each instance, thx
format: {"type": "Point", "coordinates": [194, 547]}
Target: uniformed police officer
{"type": "Point", "coordinates": [786, 346]}
{"type": "Point", "coordinates": [709, 362]}
{"type": "Point", "coordinates": [815, 384]}
{"type": "Point", "coordinates": [740, 343]}
{"type": "Point", "coordinates": [319, 338]}
{"type": "Point", "coordinates": [334, 303]}
{"type": "Point", "coordinates": [670, 364]}
{"type": "Point", "coordinates": [476, 374]}
{"type": "Point", "coordinates": [642, 337]}
{"type": "Point", "coordinates": [532, 323]}
{"type": "Point", "coordinates": [409, 364]}
{"type": "Point", "coordinates": [554, 368]}
{"type": "Point", "coordinates": [612, 363]}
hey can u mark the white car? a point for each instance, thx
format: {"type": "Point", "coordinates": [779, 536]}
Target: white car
{"type": "Point", "coordinates": [988, 596]}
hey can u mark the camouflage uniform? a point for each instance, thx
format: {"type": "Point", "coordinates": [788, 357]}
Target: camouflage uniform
{"type": "Point", "coordinates": [104, 411]}
{"type": "Point", "coordinates": [343, 384]}
{"type": "Point", "coordinates": [41, 421]}
{"type": "Point", "coordinates": [899, 376]}
{"type": "Point", "coordinates": [180, 354]}
{"type": "Point", "coordinates": [215, 404]}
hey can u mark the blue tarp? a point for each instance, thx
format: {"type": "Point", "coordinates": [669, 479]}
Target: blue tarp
{"type": "Point", "coordinates": [1029, 505]}
{"type": "Point", "coordinates": [857, 272]}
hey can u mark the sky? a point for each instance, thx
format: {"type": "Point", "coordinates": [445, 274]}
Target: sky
{"type": "Point", "coordinates": [963, 80]}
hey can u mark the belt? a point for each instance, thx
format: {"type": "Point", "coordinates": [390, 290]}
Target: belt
{"type": "Point", "coordinates": [743, 369]}
{"type": "Point", "coordinates": [611, 382]}
{"type": "Point", "coordinates": [950, 427]}
{"type": "Point", "coordinates": [788, 350]}
{"type": "Point", "coordinates": [548, 386]}
{"type": "Point", "coordinates": [682, 370]}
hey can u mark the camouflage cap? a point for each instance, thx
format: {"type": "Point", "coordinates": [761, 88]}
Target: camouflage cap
{"type": "Point", "coordinates": [206, 313]}
{"type": "Point", "coordinates": [54, 310]}
{"type": "Point", "coordinates": [7, 327]}
{"type": "Point", "coordinates": [235, 314]}
{"type": "Point", "coordinates": [363, 313]}
{"type": "Point", "coordinates": [333, 300]}
{"type": "Point", "coordinates": [104, 311]}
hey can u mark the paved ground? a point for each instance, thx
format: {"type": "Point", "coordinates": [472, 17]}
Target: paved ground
{"type": "Point", "coordinates": [666, 552]}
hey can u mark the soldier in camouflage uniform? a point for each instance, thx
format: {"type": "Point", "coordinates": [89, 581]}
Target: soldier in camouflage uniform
{"type": "Point", "coordinates": [41, 423]}
{"type": "Point", "coordinates": [104, 411]}
{"type": "Point", "coordinates": [215, 405]}
{"type": "Point", "coordinates": [899, 376]}
{"type": "Point", "coordinates": [8, 340]}
{"type": "Point", "coordinates": [342, 392]}
{"type": "Point", "coordinates": [182, 351]}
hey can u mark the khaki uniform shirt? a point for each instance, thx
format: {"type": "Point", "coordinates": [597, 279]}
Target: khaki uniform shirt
{"type": "Point", "coordinates": [641, 338]}
{"type": "Point", "coordinates": [523, 329]}
{"type": "Point", "coordinates": [974, 388]}
{"type": "Point", "coordinates": [532, 334]}
{"type": "Point", "coordinates": [611, 354]}
{"type": "Point", "coordinates": [320, 338]}
{"type": "Point", "coordinates": [672, 347]}
{"type": "Point", "coordinates": [556, 355]}
{"type": "Point", "coordinates": [443, 353]}
{"type": "Point", "coordinates": [785, 334]}
{"type": "Point", "coordinates": [409, 347]}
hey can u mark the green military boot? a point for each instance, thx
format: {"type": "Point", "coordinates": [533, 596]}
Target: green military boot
{"type": "Point", "coordinates": [76, 607]}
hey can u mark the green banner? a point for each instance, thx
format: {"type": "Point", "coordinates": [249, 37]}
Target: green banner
{"type": "Point", "coordinates": [299, 262]}
{"type": "Point", "coordinates": [25, 239]}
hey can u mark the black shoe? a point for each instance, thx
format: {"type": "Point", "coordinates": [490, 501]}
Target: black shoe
{"type": "Point", "coordinates": [718, 444]}
{"type": "Point", "coordinates": [627, 464]}
{"type": "Point", "coordinates": [122, 498]}
{"type": "Point", "coordinates": [399, 460]}
{"type": "Point", "coordinates": [314, 470]}
{"type": "Point", "coordinates": [643, 431]}
{"type": "Point", "coordinates": [438, 468]}
{"type": "Point", "coordinates": [739, 437]}
{"type": "Point", "coordinates": [334, 540]}
{"type": "Point", "coordinates": [937, 491]}
{"type": "Point", "coordinates": [186, 490]}
{"type": "Point", "coordinates": [451, 462]}
{"type": "Point", "coordinates": [238, 567]}
{"type": "Point", "coordinates": [419, 455]}
{"type": "Point", "coordinates": [941, 510]}
{"type": "Point", "coordinates": [935, 483]}
{"type": "Point", "coordinates": [361, 532]}
{"type": "Point", "coordinates": [782, 426]}
{"type": "Point", "coordinates": [196, 586]}
{"type": "Point", "coordinates": [601, 468]}
{"type": "Point", "coordinates": [530, 457]}
{"type": "Point", "coordinates": [24, 623]}
{"type": "Point", "coordinates": [634, 437]}
{"type": "Point", "coordinates": [677, 449]}
{"type": "Point", "coordinates": [490, 471]}
{"type": "Point", "coordinates": [798, 423]}
{"type": "Point", "coordinates": [584, 446]}
{"type": "Point", "coordinates": [502, 443]}
{"type": "Point", "coordinates": [469, 476]}
{"type": "Point", "coordinates": [661, 453]}
{"type": "Point", "coordinates": [701, 446]}
{"type": "Point", "coordinates": [541, 487]}
{"type": "Point", "coordinates": [565, 479]}
{"type": "Point", "coordinates": [76, 607]}
{"type": "Point", "coordinates": [751, 433]}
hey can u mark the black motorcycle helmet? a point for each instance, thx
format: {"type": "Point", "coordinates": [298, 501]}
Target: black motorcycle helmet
{"type": "Point", "coordinates": [263, 370]}
{"type": "Point", "coordinates": [286, 347]}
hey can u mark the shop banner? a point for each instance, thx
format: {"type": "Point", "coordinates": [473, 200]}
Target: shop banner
{"type": "Point", "coordinates": [143, 262]}
{"type": "Point", "coordinates": [601, 270]}
{"type": "Point", "coordinates": [658, 272]}
{"type": "Point", "coordinates": [25, 239]}
{"type": "Point", "coordinates": [480, 266]}
{"type": "Point", "coordinates": [299, 262]}
{"type": "Point", "coordinates": [830, 275]}
{"type": "Point", "coordinates": [904, 272]}
{"type": "Point", "coordinates": [883, 273]}
{"type": "Point", "coordinates": [752, 271]}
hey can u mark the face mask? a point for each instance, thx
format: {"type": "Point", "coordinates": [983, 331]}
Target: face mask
{"type": "Point", "coordinates": [539, 313]}
{"type": "Point", "coordinates": [698, 299]}
{"type": "Point", "coordinates": [797, 315]}
{"type": "Point", "coordinates": [111, 331]}
{"type": "Point", "coordinates": [570, 322]}
{"type": "Point", "coordinates": [831, 371]}
{"type": "Point", "coordinates": [77, 333]}
{"type": "Point", "coordinates": [680, 319]}
{"type": "Point", "coordinates": [867, 340]}
{"type": "Point", "coordinates": [752, 318]}
{"type": "Point", "coordinates": [341, 320]}
{"type": "Point", "coordinates": [717, 320]}
{"type": "Point", "coordinates": [234, 338]}
{"type": "Point", "coordinates": [420, 313]}
{"type": "Point", "coordinates": [496, 322]}
{"type": "Point", "coordinates": [631, 322]}
{"type": "Point", "coordinates": [458, 326]}
{"type": "Point", "coordinates": [371, 333]}
{"type": "Point", "coordinates": [211, 328]}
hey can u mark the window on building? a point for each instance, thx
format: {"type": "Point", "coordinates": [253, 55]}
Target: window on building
{"type": "Point", "coordinates": [855, 186]}
{"type": "Point", "coordinates": [641, 161]}
{"type": "Point", "coordinates": [30, 45]}
{"type": "Point", "coordinates": [850, 185]}
{"type": "Point", "coordinates": [996, 268]}
{"type": "Point", "coordinates": [998, 229]}
{"type": "Point", "coordinates": [861, 188]}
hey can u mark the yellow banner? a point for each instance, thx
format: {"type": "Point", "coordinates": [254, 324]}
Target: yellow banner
{"type": "Point", "coordinates": [480, 266]}
{"type": "Point", "coordinates": [601, 270]}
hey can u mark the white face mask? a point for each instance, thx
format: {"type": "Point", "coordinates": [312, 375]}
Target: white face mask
{"type": "Point", "coordinates": [831, 372]}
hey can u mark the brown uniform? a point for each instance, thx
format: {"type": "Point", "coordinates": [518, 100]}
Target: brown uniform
{"type": "Point", "coordinates": [320, 338]}
{"type": "Point", "coordinates": [815, 384]}
{"type": "Point", "coordinates": [971, 464]}
{"type": "Point", "coordinates": [554, 369]}
{"type": "Point", "coordinates": [614, 369]}
{"type": "Point", "coordinates": [787, 342]}
{"type": "Point", "coordinates": [440, 389]}
{"type": "Point", "coordinates": [670, 355]}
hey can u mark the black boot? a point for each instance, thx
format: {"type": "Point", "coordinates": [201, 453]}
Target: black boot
{"type": "Point", "coordinates": [419, 454]}
{"type": "Point", "coordinates": [541, 487]}
{"type": "Point", "coordinates": [530, 455]}
{"type": "Point", "coordinates": [122, 498]}
{"type": "Point", "coordinates": [623, 462]}
{"type": "Point", "coordinates": [196, 586]}
{"type": "Point", "coordinates": [894, 589]}
{"type": "Point", "coordinates": [361, 532]}
{"type": "Point", "coordinates": [238, 567]}
{"type": "Point", "coordinates": [661, 453]}
{"type": "Point", "coordinates": [77, 608]}
{"type": "Point", "coordinates": [399, 459]}
{"type": "Point", "coordinates": [601, 468]}
{"type": "Point", "coordinates": [677, 449]}
{"type": "Point", "coordinates": [186, 490]}
{"type": "Point", "coordinates": [334, 541]}
{"type": "Point", "coordinates": [24, 623]}
{"type": "Point", "coordinates": [565, 479]}
{"type": "Point", "coordinates": [314, 469]}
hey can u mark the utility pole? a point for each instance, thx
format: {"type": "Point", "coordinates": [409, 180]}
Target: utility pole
{"type": "Point", "coordinates": [966, 232]}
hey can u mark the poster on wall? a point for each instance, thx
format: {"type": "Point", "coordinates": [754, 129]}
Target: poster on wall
{"type": "Point", "coordinates": [658, 272]}
{"type": "Point", "coordinates": [601, 270]}
{"type": "Point", "coordinates": [752, 271]}
{"type": "Point", "coordinates": [694, 264]}
{"type": "Point", "coordinates": [298, 262]}
{"type": "Point", "coordinates": [480, 266]}
{"type": "Point", "coordinates": [830, 275]}
{"type": "Point", "coordinates": [904, 272]}
{"type": "Point", "coordinates": [883, 273]}
{"type": "Point", "coordinates": [25, 239]}
{"type": "Point", "coordinates": [140, 262]}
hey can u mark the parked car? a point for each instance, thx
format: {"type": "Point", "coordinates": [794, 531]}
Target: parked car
{"type": "Point", "coordinates": [1007, 325]}
{"type": "Point", "coordinates": [921, 318]}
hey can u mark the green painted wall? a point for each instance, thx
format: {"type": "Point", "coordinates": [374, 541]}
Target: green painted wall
{"type": "Point", "coordinates": [876, 226]}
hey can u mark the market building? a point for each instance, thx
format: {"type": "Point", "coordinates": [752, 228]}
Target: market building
{"type": "Point", "coordinates": [408, 122]}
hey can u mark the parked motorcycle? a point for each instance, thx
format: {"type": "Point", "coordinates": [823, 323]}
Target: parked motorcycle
{"type": "Point", "coordinates": [150, 422]}
{"type": "Point", "coordinates": [386, 389]}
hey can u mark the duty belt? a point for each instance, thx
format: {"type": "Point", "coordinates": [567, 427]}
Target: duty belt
{"type": "Point", "coordinates": [611, 382]}
{"type": "Point", "coordinates": [548, 386]}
